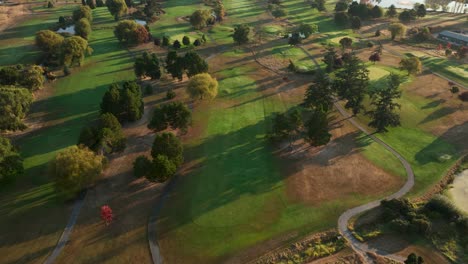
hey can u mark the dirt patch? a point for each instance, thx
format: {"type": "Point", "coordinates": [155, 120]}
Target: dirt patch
{"type": "Point", "coordinates": [335, 171]}
{"type": "Point", "coordinates": [346, 256]}
{"type": "Point", "coordinates": [398, 246]}
{"type": "Point", "coordinates": [12, 14]}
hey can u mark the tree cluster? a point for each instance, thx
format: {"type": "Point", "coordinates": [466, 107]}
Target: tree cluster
{"type": "Point", "coordinates": [190, 64]}
{"type": "Point", "coordinates": [167, 156]}
{"type": "Point", "coordinates": [26, 76]}
{"type": "Point", "coordinates": [75, 169]}
{"type": "Point", "coordinates": [104, 137]}
{"type": "Point", "coordinates": [11, 163]}
{"type": "Point", "coordinates": [202, 18]}
{"type": "Point", "coordinates": [124, 103]}
{"type": "Point", "coordinates": [131, 33]}
{"type": "Point", "coordinates": [174, 115]}
{"type": "Point", "coordinates": [117, 8]}
{"type": "Point", "coordinates": [147, 65]}
{"type": "Point", "coordinates": [14, 105]}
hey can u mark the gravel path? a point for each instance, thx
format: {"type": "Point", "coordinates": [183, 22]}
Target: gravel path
{"type": "Point", "coordinates": [359, 247]}
{"type": "Point", "coordinates": [68, 229]}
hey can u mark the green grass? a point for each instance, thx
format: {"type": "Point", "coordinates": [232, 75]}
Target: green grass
{"type": "Point", "coordinates": [17, 42]}
{"type": "Point", "coordinates": [74, 103]}
{"type": "Point", "coordinates": [448, 68]}
{"type": "Point", "coordinates": [425, 150]}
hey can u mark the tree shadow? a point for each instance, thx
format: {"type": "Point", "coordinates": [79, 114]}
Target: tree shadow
{"type": "Point", "coordinates": [439, 113]}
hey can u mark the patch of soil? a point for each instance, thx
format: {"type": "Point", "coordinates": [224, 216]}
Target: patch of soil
{"type": "Point", "coordinates": [334, 171]}
{"type": "Point", "coordinates": [346, 256]}
{"type": "Point", "coordinates": [398, 246]}
{"type": "Point", "coordinates": [12, 14]}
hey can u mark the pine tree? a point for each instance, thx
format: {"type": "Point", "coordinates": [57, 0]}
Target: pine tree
{"type": "Point", "coordinates": [319, 96]}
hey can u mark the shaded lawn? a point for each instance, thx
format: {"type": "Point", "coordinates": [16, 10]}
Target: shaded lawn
{"type": "Point", "coordinates": [234, 195]}
{"type": "Point", "coordinates": [74, 103]}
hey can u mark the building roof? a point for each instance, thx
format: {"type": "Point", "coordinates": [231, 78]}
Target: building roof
{"type": "Point", "coordinates": [454, 35]}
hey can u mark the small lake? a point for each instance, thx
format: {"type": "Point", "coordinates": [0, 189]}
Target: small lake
{"type": "Point", "coordinates": [459, 192]}
{"type": "Point", "coordinates": [141, 22]}
{"type": "Point", "coordinates": [69, 29]}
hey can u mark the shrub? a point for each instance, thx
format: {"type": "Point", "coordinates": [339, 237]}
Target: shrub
{"type": "Point", "coordinates": [197, 43]}
{"type": "Point", "coordinates": [170, 94]}
{"type": "Point", "coordinates": [463, 96]}
{"type": "Point", "coordinates": [141, 166]}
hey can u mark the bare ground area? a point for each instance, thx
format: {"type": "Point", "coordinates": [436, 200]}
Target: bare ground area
{"type": "Point", "coordinates": [346, 256]}
{"type": "Point", "coordinates": [12, 14]}
{"type": "Point", "coordinates": [401, 247]}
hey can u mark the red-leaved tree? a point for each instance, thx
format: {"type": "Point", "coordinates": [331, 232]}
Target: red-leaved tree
{"type": "Point", "coordinates": [106, 214]}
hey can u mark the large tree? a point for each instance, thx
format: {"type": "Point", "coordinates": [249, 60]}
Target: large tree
{"type": "Point", "coordinates": [74, 50]}
{"type": "Point", "coordinates": [351, 83]}
{"type": "Point", "coordinates": [411, 64]}
{"type": "Point", "coordinates": [200, 18]}
{"type": "Point", "coordinates": [175, 115]}
{"type": "Point", "coordinates": [414, 259]}
{"type": "Point", "coordinates": [307, 29]}
{"type": "Point", "coordinates": [75, 169]}
{"type": "Point", "coordinates": [27, 76]}
{"type": "Point", "coordinates": [392, 12]}
{"type": "Point", "coordinates": [49, 41]}
{"type": "Point", "coordinates": [202, 86]}
{"type": "Point", "coordinates": [346, 43]}
{"type": "Point", "coordinates": [421, 10]}
{"type": "Point", "coordinates": [83, 28]}
{"type": "Point", "coordinates": [131, 33]}
{"type": "Point", "coordinates": [167, 144]}
{"type": "Point", "coordinates": [397, 29]}
{"type": "Point", "coordinates": [175, 65]}
{"type": "Point", "coordinates": [194, 64]}
{"type": "Point", "coordinates": [331, 59]}
{"type": "Point", "coordinates": [285, 125]}
{"type": "Point", "coordinates": [241, 34]}
{"type": "Point", "coordinates": [383, 100]}
{"type": "Point", "coordinates": [319, 96]}
{"type": "Point", "coordinates": [83, 12]}
{"type": "Point", "coordinates": [376, 12]}
{"type": "Point", "coordinates": [147, 65]}
{"type": "Point", "coordinates": [317, 129]}
{"type": "Point", "coordinates": [11, 163]}
{"type": "Point", "coordinates": [105, 137]}
{"type": "Point", "coordinates": [14, 105]}
{"type": "Point", "coordinates": [117, 8]}
{"type": "Point", "coordinates": [125, 103]}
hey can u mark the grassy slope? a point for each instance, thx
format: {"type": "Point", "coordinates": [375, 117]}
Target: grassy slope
{"type": "Point", "coordinates": [448, 68]}
{"type": "Point", "coordinates": [74, 103]}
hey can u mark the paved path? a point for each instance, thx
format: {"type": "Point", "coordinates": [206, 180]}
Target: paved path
{"type": "Point", "coordinates": [359, 247]}
{"type": "Point", "coordinates": [68, 229]}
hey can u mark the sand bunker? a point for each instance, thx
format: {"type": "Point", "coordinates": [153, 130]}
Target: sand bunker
{"type": "Point", "coordinates": [459, 192]}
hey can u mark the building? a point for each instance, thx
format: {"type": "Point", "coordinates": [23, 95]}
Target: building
{"type": "Point", "coordinates": [453, 37]}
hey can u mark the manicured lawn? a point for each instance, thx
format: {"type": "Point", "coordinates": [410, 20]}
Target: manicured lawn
{"type": "Point", "coordinates": [74, 103]}
{"type": "Point", "coordinates": [412, 139]}
{"type": "Point", "coordinates": [448, 68]}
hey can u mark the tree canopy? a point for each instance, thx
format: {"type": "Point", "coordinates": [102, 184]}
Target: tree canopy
{"type": "Point", "coordinates": [241, 34]}
{"type": "Point", "coordinates": [83, 28]}
{"type": "Point", "coordinates": [383, 100]}
{"type": "Point", "coordinates": [411, 64]}
{"type": "Point", "coordinates": [319, 96]}
{"type": "Point", "coordinates": [317, 129]}
{"type": "Point", "coordinates": [131, 33]}
{"type": "Point", "coordinates": [175, 115]}
{"type": "Point", "coordinates": [194, 64]}
{"type": "Point", "coordinates": [83, 12]}
{"type": "Point", "coordinates": [14, 105]}
{"type": "Point", "coordinates": [75, 169]}
{"type": "Point", "coordinates": [351, 83]}
{"type": "Point", "coordinates": [147, 65]}
{"type": "Point", "coordinates": [11, 163]}
{"type": "Point", "coordinates": [27, 76]}
{"type": "Point", "coordinates": [202, 86]}
{"type": "Point", "coordinates": [49, 41]}
{"type": "Point", "coordinates": [74, 50]}
{"type": "Point", "coordinates": [200, 18]}
{"type": "Point", "coordinates": [117, 8]}
{"type": "Point", "coordinates": [397, 29]}
{"type": "Point", "coordinates": [125, 103]}
{"type": "Point", "coordinates": [105, 137]}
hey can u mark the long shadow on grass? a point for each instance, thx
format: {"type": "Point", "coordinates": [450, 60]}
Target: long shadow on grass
{"type": "Point", "coordinates": [448, 146]}
{"type": "Point", "coordinates": [233, 165]}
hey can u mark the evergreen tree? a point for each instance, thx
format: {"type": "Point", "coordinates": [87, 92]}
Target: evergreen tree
{"type": "Point", "coordinates": [383, 115]}
{"type": "Point", "coordinates": [392, 12]}
{"type": "Point", "coordinates": [241, 34]}
{"type": "Point", "coordinates": [351, 83]}
{"type": "Point", "coordinates": [186, 40]}
{"type": "Point", "coordinates": [319, 96]}
{"type": "Point", "coordinates": [147, 65]}
{"type": "Point", "coordinates": [167, 144]}
{"type": "Point", "coordinates": [331, 59]}
{"type": "Point", "coordinates": [111, 101]}
{"type": "Point", "coordinates": [421, 11]}
{"type": "Point", "coordinates": [176, 44]}
{"type": "Point", "coordinates": [317, 129]}
{"type": "Point", "coordinates": [194, 64]}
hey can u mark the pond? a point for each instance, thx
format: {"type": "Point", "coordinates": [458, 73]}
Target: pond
{"type": "Point", "coordinates": [141, 22]}
{"type": "Point", "coordinates": [69, 29]}
{"type": "Point", "coordinates": [459, 192]}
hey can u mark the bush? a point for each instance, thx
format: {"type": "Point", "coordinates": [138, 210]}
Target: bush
{"type": "Point", "coordinates": [131, 33]}
{"type": "Point", "coordinates": [141, 166]}
{"type": "Point", "coordinates": [170, 94]}
{"type": "Point", "coordinates": [463, 96]}
{"type": "Point", "coordinates": [175, 115]}
{"type": "Point", "coordinates": [197, 43]}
